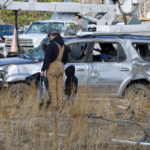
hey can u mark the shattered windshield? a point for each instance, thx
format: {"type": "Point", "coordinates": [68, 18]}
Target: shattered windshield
{"type": "Point", "coordinates": [44, 27]}
{"type": "Point", "coordinates": [35, 53]}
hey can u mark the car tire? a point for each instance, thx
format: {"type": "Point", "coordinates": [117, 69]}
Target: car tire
{"type": "Point", "coordinates": [18, 90]}
{"type": "Point", "coordinates": [137, 89]}
{"type": "Point", "coordinates": [137, 96]}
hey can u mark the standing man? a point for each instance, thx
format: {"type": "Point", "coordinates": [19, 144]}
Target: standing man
{"type": "Point", "coordinates": [55, 57]}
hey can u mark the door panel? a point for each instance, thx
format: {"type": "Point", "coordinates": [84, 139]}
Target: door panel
{"type": "Point", "coordinates": [81, 72]}
{"type": "Point", "coordinates": [107, 77]}
{"type": "Point", "coordinates": [108, 68]}
{"type": "Point", "coordinates": [79, 56]}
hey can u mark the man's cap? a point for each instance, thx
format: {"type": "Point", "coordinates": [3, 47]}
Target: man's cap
{"type": "Point", "coordinates": [53, 31]}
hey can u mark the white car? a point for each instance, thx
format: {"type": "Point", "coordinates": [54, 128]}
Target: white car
{"type": "Point", "coordinates": [38, 30]}
{"type": "Point", "coordinates": [5, 31]}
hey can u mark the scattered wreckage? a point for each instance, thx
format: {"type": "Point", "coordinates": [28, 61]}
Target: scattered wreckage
{"type": "Point", "coordinates": [145, 140]}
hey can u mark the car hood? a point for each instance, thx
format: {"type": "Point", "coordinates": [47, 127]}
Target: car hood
{"type": "Point", "coordinates": [15, 60]}
{"type": "Point", "coordinates": [33, 35]}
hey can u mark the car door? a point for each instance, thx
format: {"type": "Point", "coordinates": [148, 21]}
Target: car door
{"type": "Point", "coordinates": [78, 57]}
{"type": "Point", "coordinates": [81, 72]}
{"type": "Point", "coordinates": [106, 76]}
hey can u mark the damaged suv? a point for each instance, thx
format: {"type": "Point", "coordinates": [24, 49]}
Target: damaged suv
{"type": "Point", "coordinates": [115, 63]}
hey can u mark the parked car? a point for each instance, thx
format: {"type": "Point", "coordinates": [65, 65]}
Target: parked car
{"type": "Point", "coordinates": [2, 42]}
{"type": "Point", "coordinates": [38, 30]}
{"type": "Point", "coordinates": [111, 62]}
{"type": "Point", "coordinates": [5, 31]}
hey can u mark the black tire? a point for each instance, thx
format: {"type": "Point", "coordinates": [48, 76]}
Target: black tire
{"type": "Point", "coordinates": [137, 96]}
{"type": "Point", "coordinates": [18, 90]}
{"type": "Point", "coordinates": [137, 89]}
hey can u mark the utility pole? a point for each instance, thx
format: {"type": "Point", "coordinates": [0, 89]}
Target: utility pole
{"type": "Point", "coordinates": [16, 26]}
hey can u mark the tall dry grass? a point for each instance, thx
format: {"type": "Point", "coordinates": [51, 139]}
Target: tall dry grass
{"type": "Point", "coordinates": [24, 127]}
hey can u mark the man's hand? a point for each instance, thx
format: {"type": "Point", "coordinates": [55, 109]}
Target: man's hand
{"type": "Point", "coordinates": [42, 73]}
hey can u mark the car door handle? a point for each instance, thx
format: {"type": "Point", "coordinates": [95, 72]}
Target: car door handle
{"type": "Point", "coordinates": [124, 69]}
{"type": "Point", "coordinates": [80, 69]}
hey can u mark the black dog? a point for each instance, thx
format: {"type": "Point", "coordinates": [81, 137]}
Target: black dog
{"type": "Point", "coordinates": [71, 83]}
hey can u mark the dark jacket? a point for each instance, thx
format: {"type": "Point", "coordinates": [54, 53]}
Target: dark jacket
{"type": "Point", "coordinates": [71, 80]}
{"type": "Point", "coordinates": [36, 78]}
{"type": "Point", "coordinates": [40, 82]}
{"type": "Point", "coordinates": [52, 52]}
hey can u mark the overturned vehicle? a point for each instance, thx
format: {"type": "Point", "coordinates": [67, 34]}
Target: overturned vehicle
{"type": "Point", "coordinates": [114, 63]}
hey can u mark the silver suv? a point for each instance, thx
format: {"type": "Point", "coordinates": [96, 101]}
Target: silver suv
{"type": "Point", "coordinates": [115, 63]}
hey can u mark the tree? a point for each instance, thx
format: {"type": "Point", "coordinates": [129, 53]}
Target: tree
{"type": "Point", "coordinates": [25, 17]}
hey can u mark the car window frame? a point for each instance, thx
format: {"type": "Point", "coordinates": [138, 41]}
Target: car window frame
{"type": "Point", "coordinates": [98, 40]}
{"type": "Point", "coordinates": [74, 41]}
{"type": "Point", "coordinates": [140, 42]}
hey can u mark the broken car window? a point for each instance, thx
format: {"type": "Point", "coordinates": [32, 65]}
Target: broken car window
{"type": "Point", "coordinates": [78, 52]}
{"type": "Point", "coordinates": [35, 53]}
{"type": "Point", "coordinates": [108, 52]}
{"type": "Point", "coordinates": [143, 50]}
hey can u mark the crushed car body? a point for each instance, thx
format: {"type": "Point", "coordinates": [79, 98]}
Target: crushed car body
{"type": "Point", "coordinates": [102, 61]}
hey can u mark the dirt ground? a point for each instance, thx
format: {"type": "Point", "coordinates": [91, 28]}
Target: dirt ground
{"type": "Point", "coordinates": [24, 127]}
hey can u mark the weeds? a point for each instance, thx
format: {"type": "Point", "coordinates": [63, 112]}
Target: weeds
{"type": "Point", "coordinates": [23, 126]}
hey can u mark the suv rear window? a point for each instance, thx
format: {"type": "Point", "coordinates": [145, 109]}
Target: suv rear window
{"type": "Point", "coordinates": [143, 50]}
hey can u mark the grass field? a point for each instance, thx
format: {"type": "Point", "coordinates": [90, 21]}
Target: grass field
{"type": "Point", "coordinates": [24, 127]}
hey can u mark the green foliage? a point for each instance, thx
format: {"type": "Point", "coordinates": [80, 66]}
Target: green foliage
{"type": "Point", "coordinates": [25, 17]}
